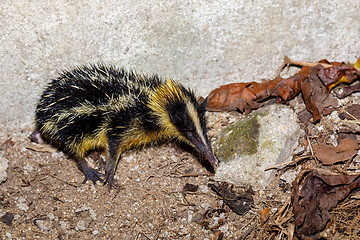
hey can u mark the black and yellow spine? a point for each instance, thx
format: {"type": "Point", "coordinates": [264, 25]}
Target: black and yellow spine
{"type": "Point", "coordinates": [98, 107]}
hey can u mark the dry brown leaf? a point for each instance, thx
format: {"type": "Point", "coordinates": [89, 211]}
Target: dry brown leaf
{"type": "Point", "coordinates": [240, 202]}
{"type": "Point", "coordinates": [289, 88]}
{"type": "Point", "coordinates": [316, 96]}
{"type": "Point", "coordinates": [8, 143]}
{"type": "Point", "coordinates": [190, 187]}
{"type": "Point", "coordinates": [244, 97]}
{"type": "Point", "coordinates": [346, 91]}
{"type": "Point", "coordinates": [328, 154]}
{"type": "Point", "coordinates": [7, 218]}
{"type": "Point", "coordinates": [335, 75]}
{"type": "Point", "coordinates": [218, 235]}
{"type": "Point", "coordinates": [264, 215]}
{"type": "Point", "coordinates": [353, 110]}
{"type": "Point", "coordinates": [314, 80]}
{"type": "Point", "coordinates": [318, 195]}
{"type": "Point", "coordinates": [227, 98]}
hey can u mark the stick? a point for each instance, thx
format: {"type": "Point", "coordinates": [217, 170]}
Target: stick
{"type": "Point", "coordinates": [247, 232]}
{"type": "Point", "coordinates": [196, 174]}
{"type": "Point", "coordinates": [288, 62]}
{"type": "Point", "coordinates": [286, 164]}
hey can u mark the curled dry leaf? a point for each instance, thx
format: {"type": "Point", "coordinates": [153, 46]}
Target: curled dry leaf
{"type": "Point", "coordinates": [316, 96]}
{"type": "Point", "coordinates": [314, 80]}
{"type": "Point", "coordinates": [264, 215]}
{"type": "Point", "coordinates": [289, 88]}
{"type": "Point", "coordinates": [353, 110]}
{"type": "Point", "coordinates": [245, 97]}
{"type": "Point", "coordinates": [240, 203]}
{"type": "Point", "coordinates": [346, 91]}
{"type": "Point", "coordinates": [218, 235]}
{"type": "Point", "coordinates": [328, 154]}
{"type": "Point", "coordinates": [8, 143]}
{"type": "Point", "coordinates": [236, 96]}
{"type": "Point", "coordinates": [7, 218]}
{"type": "Point", "coordinates": [190, 187]}
{"type": "Point", "coordinates": [335, 75]}
{"type": "Point", "coordinates": [318, 195]}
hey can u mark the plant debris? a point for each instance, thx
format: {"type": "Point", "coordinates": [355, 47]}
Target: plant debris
{"type": "Point", "coordinates": [157, 202]}
{"type": "Point", "coordinates": [7, 143]}
{"type": "Point", "coordinates": [352, 112]}
{"type": "Point", "coordinates": [314, 81]}
{"type": "Point", "coordinates": [264, 215]}
{"type": "Point", "coordinates": [7, 218]}
{"type": "Point", "coordinates": [316, 96]}
{"type": "Point", "coordinates": [320, 192]}
{"type": "Point", "coordinates": [190, 187]}
{"type": "Point", "coordinates": [328, 154]}
{"type": "Point", "coordinates": [211, 219]}
{"type": "Point", "coordinates": [41, 148]}
{"type": "Point", "coordinates": [346, 91]}
{"type": "Point", "coordinates": [240, 202]}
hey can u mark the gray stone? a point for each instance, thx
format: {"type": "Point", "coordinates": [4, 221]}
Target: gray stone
{"type": "Point", "coordinates": [262, 139]}
{"type": "Point", "coordinates": [87, 208]}
{"type": "Point", "coordinates": [44, 224]}
{"type": "Point", "coordinates": [4, 164]}
{"type": "Point", "coordinates": [82, 225]}
{"type": "Point", "coordinates": [22, 204]}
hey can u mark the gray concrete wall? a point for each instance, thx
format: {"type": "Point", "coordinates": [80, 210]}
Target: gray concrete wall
{"type": "Point", "coordinates": [202, 44]}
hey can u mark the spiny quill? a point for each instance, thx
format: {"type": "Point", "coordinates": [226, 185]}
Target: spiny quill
{"type": "Point", "coordinates": [101, 108]}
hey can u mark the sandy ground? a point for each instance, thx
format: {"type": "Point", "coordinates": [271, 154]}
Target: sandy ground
{"type": "Point", "coordinates": [45, 194]}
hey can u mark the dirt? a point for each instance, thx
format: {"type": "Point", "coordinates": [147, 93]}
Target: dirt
{"type": "Point", "coordinates": [45, 195]}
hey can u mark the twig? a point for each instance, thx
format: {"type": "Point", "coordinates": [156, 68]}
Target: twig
{"type": "Point", "coordinates": [291, 231]}
{"type": "Point", "coordinates": [287, 164]}
{"type": "Point", "coordinates": [355, 118]}
{"type": "Point", "coordinates": [287, 203]}
{"type": "Point", "coordinates": [160, 228]}
{"type": "Point", "coordinates": [196, 174]}
{"type": "Point", "coordinates": [73, 185]}
{"type": "Point", "coordinates": [311, 148]}
{"type": "Point", "coordinates": [353, 223]}
{"type": "Point", "coordinates": [143, 234]}
{"type": "Point", "coordinates": [288, 62]}
{"type": "Point", "coordinates": [40, 232]}
{"type": "Point", "coordinates": [153, 175]}
{"type": "Point", "coordinates": [351, 121]}
{"type": "Point", "coordinates": [247, 232]}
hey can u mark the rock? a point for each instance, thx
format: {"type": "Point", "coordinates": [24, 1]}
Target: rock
{"type": "Point", "coordinates": [4, 164]}
{"type": "Point", "coordinates": [22, 204]}
{"type": "Point", "coordinates": [85, 209]}
{"type": "Point", "coordinates": [82, 225]}
{"type": "Point", "coordinates": [264, 138]}
{"type": "Point", "coordinates": [43, 224]}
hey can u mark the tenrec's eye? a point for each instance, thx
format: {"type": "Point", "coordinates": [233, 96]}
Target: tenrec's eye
{"type": "Point", "coordinates": [189, 135]}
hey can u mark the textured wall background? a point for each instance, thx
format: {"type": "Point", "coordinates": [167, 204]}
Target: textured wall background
{"type": "Point", "coordinates": [201, 43]}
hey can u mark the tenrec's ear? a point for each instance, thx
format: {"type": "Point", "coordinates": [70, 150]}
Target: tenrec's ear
{"type": "Point", "coordinates": [203, 103]}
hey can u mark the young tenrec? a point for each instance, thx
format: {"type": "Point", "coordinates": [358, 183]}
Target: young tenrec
{"type": "Point", "coordinates": [101, 108]}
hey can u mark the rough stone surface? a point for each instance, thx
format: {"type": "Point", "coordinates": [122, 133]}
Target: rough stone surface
{"type": "Point", "coordinates": [22, 204]}
{"type": "Point", "coordinates": [263, 139]}
{"type": "Point", "coordinates": [201, 43]}
{"type": "Point", "coordinates": [4, 164]}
